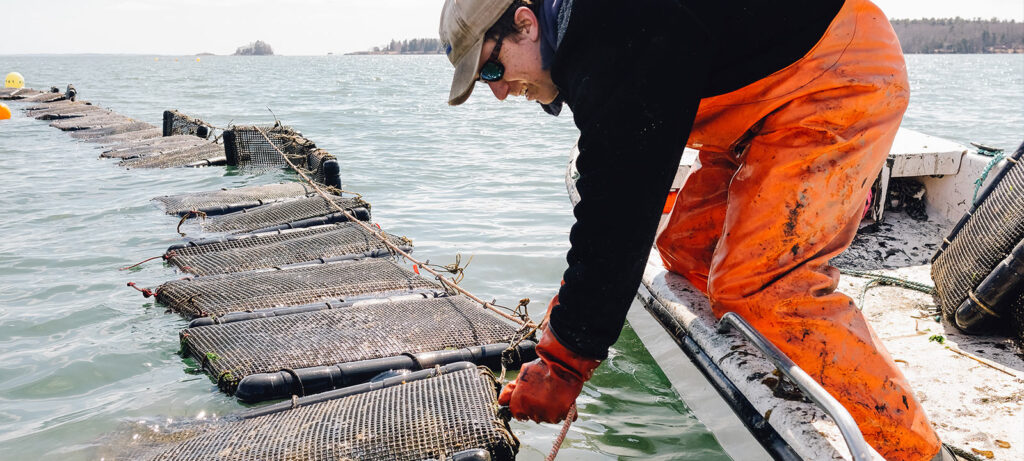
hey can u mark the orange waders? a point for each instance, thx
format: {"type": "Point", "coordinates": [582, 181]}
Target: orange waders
{"type": "Point", "coordinates": [785, 167]}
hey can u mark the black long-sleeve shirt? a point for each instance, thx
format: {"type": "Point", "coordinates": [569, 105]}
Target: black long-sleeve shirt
{"type": "Point", "coordinates": [633, 74]}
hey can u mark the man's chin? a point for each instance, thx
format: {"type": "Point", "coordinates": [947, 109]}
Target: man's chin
{"type": "Point", "coordinates": [548, 100]}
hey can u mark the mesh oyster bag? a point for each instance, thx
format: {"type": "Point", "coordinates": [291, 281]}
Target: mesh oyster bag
{"type": "Point", "coordinates": [292, 213]}
{"type": "Point", "coordinates": [233, 351]}
{"type": "Point", "coordinates": [152, 146]}
{"type": "Point", "coordinates": [442, 413]}
{"type": "Point", "coordinates": [206, 154]}
{"type": "Point", "coordinates": [246, 291]}
{"type": "Point", "coordinates": [129, 137]}
{"type": "Point", "coordinates": [247, 146]}
{"type": "Point", "coordinates": [231, 200]}
{"type": "Point", "coordinates": [244, 252]}
{"type": "Point", "coordinates": [178, 123]}
{"type": "Point", "coordinates": [981, 240]}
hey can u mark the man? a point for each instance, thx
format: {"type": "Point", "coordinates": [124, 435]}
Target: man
{"type": "Point", "coordinates": [793, 106]}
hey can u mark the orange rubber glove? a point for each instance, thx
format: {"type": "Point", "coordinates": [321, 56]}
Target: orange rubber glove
{"type": "Point", "coordinates": [548, 386]}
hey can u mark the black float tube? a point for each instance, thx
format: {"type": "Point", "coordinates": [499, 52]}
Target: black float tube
{"type": "Point", "coordinates": [312, 380]}
{"type": "Point", "coordinates": [994, 296]}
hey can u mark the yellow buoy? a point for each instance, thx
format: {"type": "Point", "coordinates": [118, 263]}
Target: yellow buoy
{"type": "Point", "coordinates": [14, 80]}
{"type": "Point", "coordinates": [5, 112]}
{"type": "Point", "coordinates": [156, 59]}
{"type": "Point", "coordinates": [197, 59]}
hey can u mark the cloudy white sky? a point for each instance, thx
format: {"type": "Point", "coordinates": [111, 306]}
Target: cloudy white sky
{"type": "Point", "coordinates": [290, 26]}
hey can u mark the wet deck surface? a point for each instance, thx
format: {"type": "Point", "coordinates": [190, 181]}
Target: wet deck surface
{"type": "Point", "coordinates": [971, 387]}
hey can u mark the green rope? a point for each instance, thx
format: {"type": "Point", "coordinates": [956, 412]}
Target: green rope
{"type": "Point", "coordinates": [997, 156]}
{"type": "Point", "coordinates": [885, 280]}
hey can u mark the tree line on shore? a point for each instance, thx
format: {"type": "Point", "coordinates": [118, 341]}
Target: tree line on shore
{"type": "Point", "coordinates": [946, 35]}
{"type": "Point", "coordinates": [959, 35]}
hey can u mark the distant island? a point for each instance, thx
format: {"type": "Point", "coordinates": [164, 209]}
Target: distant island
{"type": "Point", "coordinates": [959, 35]}
{"type": "Point", "coordinates": [414, 46]}
{"type": "Point", "coordinates": [946, 35]}
{"type": "Point", "coordinates": [257, 48]}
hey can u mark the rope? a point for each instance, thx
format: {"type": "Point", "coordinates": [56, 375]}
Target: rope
{"type": "Point", "coordinates": [142, 262]}
{"type": "Point", "coordinates": [522, 319]}
{"type": "Point", "coordinates": [377, 233]}
{"type": "Point", "coordinates": [561, 435]}
{"type": "Point", "coordinates": [879, 279]}
{"type": "Point", "coordinates": [997, 156]}
{"type": "Point", "coordinates": [454, 269]}
{"type": "Point", "coordinates": [145, 291]}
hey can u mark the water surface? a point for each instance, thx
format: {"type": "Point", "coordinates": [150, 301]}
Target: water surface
{"type": "Point", "coordinates": [80, 353]}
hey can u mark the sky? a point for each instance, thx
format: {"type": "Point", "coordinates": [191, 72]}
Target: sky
{"type": "Point", "coordinates": [292, 27]}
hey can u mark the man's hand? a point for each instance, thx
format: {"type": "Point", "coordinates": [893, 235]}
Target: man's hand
{"type": "Point", "coordinates": [548, 386]}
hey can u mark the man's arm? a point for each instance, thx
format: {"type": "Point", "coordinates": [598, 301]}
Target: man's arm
{"type": "Point", "coordinates": [632, 76]}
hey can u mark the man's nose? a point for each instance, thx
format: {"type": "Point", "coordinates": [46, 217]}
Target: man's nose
{"type": "Point", "coordinates": [500, 89]}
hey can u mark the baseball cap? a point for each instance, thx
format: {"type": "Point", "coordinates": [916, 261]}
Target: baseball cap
{"type": "Point", "coordinates": [463, 25]}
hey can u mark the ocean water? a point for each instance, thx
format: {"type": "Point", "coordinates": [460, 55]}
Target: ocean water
{"type": "Point", "coordinates": [81, 354]}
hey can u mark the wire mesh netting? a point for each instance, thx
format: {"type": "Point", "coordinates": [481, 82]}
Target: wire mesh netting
{"type": "Point", "coordinates": [82, 121]}
{"type": "Point", "coordinates": [986, 237]}
{"type": "Point", "coordinates": [202, 155]}
{"type": "Point", "coordinates": [238, 253]}
{"type": "Point", "coordinates": [50, 96]}
{"type": "Point", "coordinates": [130, 137]}
{"type": "Point", "coordinates": [247, 146]}
{"type": "Point", "coordinates": [14, 94]}
{"type": "Point", "coordinates": [245, 291]}
{"type": "Point", "coordinates": [213, 202]}
{"type": "Point", "coordinates": [178, 123]}
{"type": "Point", "coordinates": [431, 418]}
{"type": "Point", "coordinates": [34, 109]}
{"type": "Point", "coordinates": [348, 334]}
{"type": "Point", "coordinates": [152, 146]}
{"type": "Point", "coordinates": [100, 128]}
{"type": "Point", "coordinates": [262, 217]}
{"type": "Point", "coordinates": [62, 111]}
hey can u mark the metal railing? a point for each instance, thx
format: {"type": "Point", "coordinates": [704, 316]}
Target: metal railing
{"type": "Point", "coordinates": [859, 448]}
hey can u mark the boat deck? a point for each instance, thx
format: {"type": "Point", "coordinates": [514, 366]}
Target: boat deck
{"type": "Point", "coordinates": [971, 387]}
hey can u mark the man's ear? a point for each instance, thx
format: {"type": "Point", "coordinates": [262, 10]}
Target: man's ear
{"type": "Point", "coordinates": [527, 23]}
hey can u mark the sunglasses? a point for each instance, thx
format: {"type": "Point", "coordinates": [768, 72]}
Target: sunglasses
{"type": "Point", "coordinates": [492, 70]}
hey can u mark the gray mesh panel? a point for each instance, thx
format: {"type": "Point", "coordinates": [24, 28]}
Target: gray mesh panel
{"type": "Point", "coordinates": [153, 146]}
{"type": "Point", "coordinates": [273, 249]}
{"type": "Point", "coordinates": [985, 239]}
{"type": "Point", "coordinates": [201, 155]}
{"type": "Point", "coordinates": [344, 335]}
{"type": "Point", "coordinates": [101, 128]}
{"type": "Point", "coordinates": [47, 97]}
{"type": "Point", "coordinates": [130, 137]}
{"type": "Point", "coordinates": [178, 123]}
{"type": "Point", "coordinates": [245, 145]}
{"type": "Point", "coordinates": [63, 111]}
{"type": "Point", "coordinates": [426, 419]}
{"type": "Point", "coordinates": [245, 291]}
{"type": "Point", "coordinates": [18, 93]}
{"type": "Point", "coordinates": [252, 195]}
{"type": "Point", "coordinates": [253, 219]}
{"type": "Point", "coordinates": [34, 109]}
{"type": "Point", "coordinates": [93, 120]}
